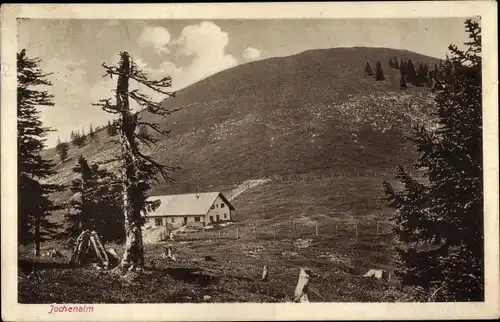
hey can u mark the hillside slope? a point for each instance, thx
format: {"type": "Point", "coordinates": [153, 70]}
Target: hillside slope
{"type": "Point", "coordinates": [308, 113]}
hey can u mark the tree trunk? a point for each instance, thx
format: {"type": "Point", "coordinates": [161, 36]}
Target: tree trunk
{"type": "Point", "coordinates": [133, 256]}
{"type": "Point", "coordinates": [37, 235]}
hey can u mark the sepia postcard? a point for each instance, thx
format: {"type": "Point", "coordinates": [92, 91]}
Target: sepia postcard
{"type": "Point", "coordinates": [249, 161]}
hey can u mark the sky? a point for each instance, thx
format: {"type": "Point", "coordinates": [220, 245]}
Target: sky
{"type": "Point", "coordinates": [190, 50]}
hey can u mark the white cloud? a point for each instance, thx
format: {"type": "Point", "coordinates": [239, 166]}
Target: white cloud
{"type": "Point", "coordinates": [206, 43]}
{"type": "Point", "coordinates": [251, 53]}
{"type": "Point", "coordinates": [156, 37]}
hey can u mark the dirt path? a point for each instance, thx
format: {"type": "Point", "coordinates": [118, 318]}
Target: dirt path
{"type": "Point", "coordinates": [247, 184]}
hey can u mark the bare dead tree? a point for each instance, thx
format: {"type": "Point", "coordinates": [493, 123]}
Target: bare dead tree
{"type": "Point", "coordinates": [138, 170]}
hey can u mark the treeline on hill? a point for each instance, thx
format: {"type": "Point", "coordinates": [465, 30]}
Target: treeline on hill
{"type": "Point", "coordinates": [418, 74]}
{"type": "Point", "coordinates": [78, 138]}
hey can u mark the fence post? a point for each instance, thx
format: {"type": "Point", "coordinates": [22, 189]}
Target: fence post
{"type": "Point", "coordinates": [274, 232]}
{"type": "Point", "coordinates": [336, 229]}
{"type": "Point", "coordinates": [317, 234]}
{"type": "Point", "coordinates": [295, 229]}
{"type": "Point", "coordinates": [377, 228]}
{"type": "Point", "coordinates": [356, 227]}
{"type": "Point", "coordinates": [255, 232]}
{"type": "Point", "coordinates": [237, 233]}
{"type": "Point", "coordinates": [219, 234]}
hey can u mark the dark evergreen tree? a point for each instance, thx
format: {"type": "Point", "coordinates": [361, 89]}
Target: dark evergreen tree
{"type": "Point", "coordinates": [402, 67]}
{"type": "Point", "coordinates": [108, 128]}
{"type": "Point", "coordinates": [111, 128]}
{"type": "Point", "coordinates": [95, 204]}
{"type": "Point", "coordinates": [77, 138]}
{"type": "Point", "coordinates": [34, 205]}
{"type": "Point", "coordinates": [62, 149]}
{"type": "Point", "coordinates": [138, 170]}
{"type": "Point", "coordinates": [402, 82]}
{"type": "Point", "coordinates": [92, 132]}
{"type": "Point", "coordinates": [396, 64]}
{"type": "Point", "coordinates": [391, 64]}
{"type": "Point", "coordinates": [368, 69]}
{"type": "Point", "coordinates": [379, 72]}
{"type": "Point", "coordinates": [410, 72]}
{"type": "Point", "coordinates": [421, 75]}
{"type": "Point", "coordinates": [439, 223]}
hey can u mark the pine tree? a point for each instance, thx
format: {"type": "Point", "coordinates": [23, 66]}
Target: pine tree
{"type": "Point", "coordinates": [368, 69]}
{"type": "Point", "coordinates": [95, 204]}
{"type": "Point", "coordinates": [379, 72]}
{"type": "Point", "coordinates": [34, 205]}
{"type": "Point", "coordinates": [92, 133]}
{"type": "Point", "coordinates": [402, 82]}
{"type": "Point", "coordinates": [410, 72]}
{"type": "Point", "coordinates": [396, 64]}
{"type": "Point", "coordinates": [402, 67]}
{"type": "Point", "coordinates": [391, 64]}
{"type": "Point", "coordinates": [62, 149]}
{"type": "Point", "coordinates": [418, 75]}
{"type": "Point", "coordinates": [439, 224]}
{"type": "Point", "coordinates": [77, 138]}
{"type": "Point", "coordinates": [138, 170]}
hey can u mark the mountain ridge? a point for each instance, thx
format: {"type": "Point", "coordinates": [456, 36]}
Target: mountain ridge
{"type": "Point", "coordinates": [306, 113]}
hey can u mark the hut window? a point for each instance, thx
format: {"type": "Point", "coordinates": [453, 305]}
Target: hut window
{"type": "Point", "coordinates": [158, 222]}
{"type": "Point", "coordinates": [196, 218]}
{"type": "Point", "coordinates": [222, 205]}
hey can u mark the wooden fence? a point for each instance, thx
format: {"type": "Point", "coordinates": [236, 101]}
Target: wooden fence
{"type": "Point", "coordinates": [293, 231]}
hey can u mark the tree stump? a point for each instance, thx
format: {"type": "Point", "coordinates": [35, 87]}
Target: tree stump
{"type": "Point", "coordinates": [264, 273]}
{"type": "Point", "coordinates": [302, 288]}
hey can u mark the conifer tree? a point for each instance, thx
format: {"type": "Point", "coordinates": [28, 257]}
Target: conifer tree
{"type": "Point", "coordinates": [439, 223]}
{"type": "Point", "coordinates": [402, 67]}
{"type": "Point", "coordinates": [92, 132]}
{"type": "Point", "coordinates": [396, 64]}
{"type": "Point", "coordinates": [34, 205]}
{"type": "Point", "coordinates": [391, 64]}
{"type": "Point", "coordinates": [368, 69]}
{"type": "Point", "coordinates": [62, 149]}
{"type": "Point", "coordinates": [410, 72]}
{"type": "Point", "coordinates": [402, 82]}
{"type": "Point", "coordinates": [138, 170]}
{"type": "Point", "coordinates": [95, 204]}
{"type": "Point", "coordinates": [77, 138]}
{"type": "Point", "coordinates": [379, 72]}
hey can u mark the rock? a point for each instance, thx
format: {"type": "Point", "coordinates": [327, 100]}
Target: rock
{"type": "Point", "coordinates": [378, 273]}
{"type": "Point", "coordinates": [206, 297]}
{"type": "Point", "coordinates": [209, 259]}
{"type": "Point", "coordinates": [302, 243]}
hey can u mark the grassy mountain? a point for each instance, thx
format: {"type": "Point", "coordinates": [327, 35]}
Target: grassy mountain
{"type": "Point", "coordinates": [313, 112]}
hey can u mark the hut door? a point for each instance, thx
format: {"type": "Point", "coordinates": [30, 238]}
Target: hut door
{"type": "Point", "coordinates": [185, 220]}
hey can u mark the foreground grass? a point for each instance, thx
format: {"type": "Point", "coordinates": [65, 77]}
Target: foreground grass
{"type": "Point", "coordinates": [232, 274]}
